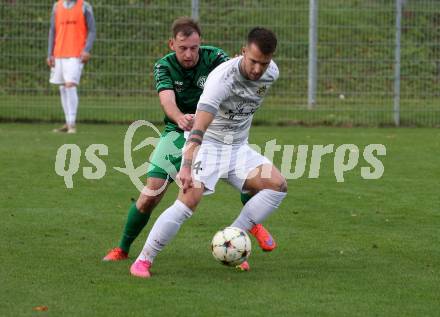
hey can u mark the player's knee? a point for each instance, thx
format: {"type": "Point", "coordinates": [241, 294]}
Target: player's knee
{"type": "Point", "coordinates": [146, 203]}
{"type": "Point", "coordinates": [278, 184]}
{"type": "Point", "coordinates": [69, 85]}
{"type": "Point", "coordinates": [190, 199]}
{"type": "Point", "coordinates": [283, 186]}
{"type": "Point", "coordinates": [191, 203]}
{"type": "Point", "coordinates": [151, 194]}
{"type": "Point", "coordinates": [280, 181]}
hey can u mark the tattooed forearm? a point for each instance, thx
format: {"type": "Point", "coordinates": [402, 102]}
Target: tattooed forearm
{"type": "Point", "coordinates": [187, 163]}
{"type": "Point", "coordinates": [195, 140]}
{"type": "Point", "coordinates": [196, 132]}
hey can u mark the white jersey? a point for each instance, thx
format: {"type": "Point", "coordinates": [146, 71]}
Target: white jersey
{"type": "Point", "coordinates": [233, 100]}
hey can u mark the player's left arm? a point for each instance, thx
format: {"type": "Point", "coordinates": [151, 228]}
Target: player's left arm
{"type": "Point", "coordinates": [91, 32]}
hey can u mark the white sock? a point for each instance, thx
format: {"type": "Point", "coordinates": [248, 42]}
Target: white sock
{"type": "Point", "coordinates": [164, 229]}
{"type": "Point", "coordinates": [64, 102]}
{"type": "Point", "coordinates": [72, 104]}
{"type": "Point", "coordinates": [258, 208]}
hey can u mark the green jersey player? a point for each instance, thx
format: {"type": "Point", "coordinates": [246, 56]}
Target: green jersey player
{"type": "Point", "coordinates": [180, 78]}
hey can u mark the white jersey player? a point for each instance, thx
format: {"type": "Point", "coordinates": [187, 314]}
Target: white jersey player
{"type": "Point", "coordinates": [232, 94]}
{"type": "Point", "coordinates": [232, 99]}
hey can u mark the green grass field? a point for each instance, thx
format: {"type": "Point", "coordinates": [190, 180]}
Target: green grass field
{"type": "Point", "coordinates": [332, 111]}
{"type": "Point", "coordinates": [358, 248]}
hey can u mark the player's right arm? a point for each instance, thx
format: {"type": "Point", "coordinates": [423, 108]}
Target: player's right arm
{"type": "Point", "coordinates": [51, 41]}
{"type": "Point", "coordinates": [168, 102]}
{"type": "Point", "coordinates": [167, 97]}
{"type": "Point", "coordinates": [201, 123]}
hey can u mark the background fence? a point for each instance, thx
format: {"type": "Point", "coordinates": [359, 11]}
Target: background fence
{"type": "Point", "coordinates": [355, 80]}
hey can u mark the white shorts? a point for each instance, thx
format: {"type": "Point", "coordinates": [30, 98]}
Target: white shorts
{"type": "Point", "coordinates": [66, 70]}
{"type": "Point", "coordinates": [232, 163]}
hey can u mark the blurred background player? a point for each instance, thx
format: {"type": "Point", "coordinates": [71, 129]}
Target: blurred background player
{"type": "Point", "coordinates": [180, 77]}
{"type": "Point", "coordinates": [71, 36]}
{"type": "Point", "coordinates": [232, 94]}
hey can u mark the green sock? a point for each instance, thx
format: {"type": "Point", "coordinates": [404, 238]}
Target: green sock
{"type": "Point", "coordinates": [245, 198]}
{"type": "Point", "coordinates": [136, 221]}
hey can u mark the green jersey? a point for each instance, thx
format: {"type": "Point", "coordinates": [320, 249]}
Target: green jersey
{"type": "Point", "coordinates": [187, 84]}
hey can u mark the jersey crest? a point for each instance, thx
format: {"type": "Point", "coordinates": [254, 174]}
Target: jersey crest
{"type": "Point", "coordinates": [201, 82]}
{"type": "Point", "coordinates": [261, 90]}
{"type": "Point", "coordinates": [178, 85]}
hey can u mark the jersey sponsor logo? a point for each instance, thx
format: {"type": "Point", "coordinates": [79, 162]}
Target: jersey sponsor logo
{"type": "Point", "coordinates": [178, 85]}
{"type": "Point", "coordinates": [240, 114]}
{"type": "Point", "coordinates": [230, 73]}
{"type": "Point", "coordinates": [201, 82]}
{"type": "Point", "coordinates": [231, 128]}
{"type": "Point", "coordinates": [261, 90]}
{"type": "Point", "coordinates": [243, 109]}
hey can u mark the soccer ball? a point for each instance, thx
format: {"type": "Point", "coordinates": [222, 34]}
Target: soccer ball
{"type": "Point", "coordinates": [231, 246]}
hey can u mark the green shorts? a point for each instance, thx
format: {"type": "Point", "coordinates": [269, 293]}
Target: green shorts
{"type": "Point", "coordinates": [166, 158]}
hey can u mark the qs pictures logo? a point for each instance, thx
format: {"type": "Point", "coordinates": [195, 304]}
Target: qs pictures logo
{"type": "Point", "coordinates": [68, 158]}
{"type": "Point", "coordinates": [295, 160]}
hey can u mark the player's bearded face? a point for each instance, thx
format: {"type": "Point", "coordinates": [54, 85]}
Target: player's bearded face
{"type": "Point", "coordinates": [186, 48]}
{"type": "Point", "coordinates": [254, 63]}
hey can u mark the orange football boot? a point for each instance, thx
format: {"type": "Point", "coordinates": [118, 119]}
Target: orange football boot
{"type": "Point", "coordinates": [264, 238]}
{"type": "Point", "coordinates": [116, 254]}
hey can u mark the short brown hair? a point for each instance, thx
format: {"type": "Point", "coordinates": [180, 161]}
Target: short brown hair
{"type": "Point", "coordinates": [186, 26]}
{"type": "Point", "coordinates": [265, 39]}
